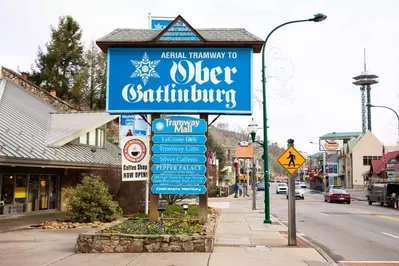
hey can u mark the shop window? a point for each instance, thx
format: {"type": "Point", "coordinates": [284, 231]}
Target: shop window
{"type": "Point", "coordinates": [100, 137]}
{"type": "Point", "coordinates": [92, 138]}
{"type": "Point", "coordinates": [367, 159]}
{"type": "Point", "coordinates": [7, 189]}
{"type": "Point", "coordinates": [83, 139]}
{"type": "Point", "coordinates": [21, 186]}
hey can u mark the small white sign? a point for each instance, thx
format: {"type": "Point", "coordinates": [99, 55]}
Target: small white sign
{"type": "Point", "coordinates": [135, 158]}
{"type": "Point", "coordinates": [330, 145]}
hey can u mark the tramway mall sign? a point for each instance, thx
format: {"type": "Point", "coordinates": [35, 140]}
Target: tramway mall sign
{"type": "Point", "coordinates": [179, 80]}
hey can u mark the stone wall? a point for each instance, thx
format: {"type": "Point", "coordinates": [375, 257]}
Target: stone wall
{"type": "Point", "coordinates": [112, 243]}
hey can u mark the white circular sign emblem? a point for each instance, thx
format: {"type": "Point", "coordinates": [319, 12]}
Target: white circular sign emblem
{"type": "Point", "coordinates": [135, 150]}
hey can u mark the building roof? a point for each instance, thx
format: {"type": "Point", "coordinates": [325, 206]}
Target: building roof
{"type": "Point", "coordinates": [211, 37]}
{"type": "Point", "coordinates": [339, 135]}
{"type": "Point", "coordinates": [24, 131]}
{"type": "Point", "coordinates": [377, 166]}
{"type": "Point", "coordinates": [65, 127]}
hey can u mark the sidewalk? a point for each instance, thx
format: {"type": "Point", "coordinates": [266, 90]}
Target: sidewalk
{"type": "Point", "coordinates": [243, 239]}
{"type": "Point", "coordinates": [13, 223]}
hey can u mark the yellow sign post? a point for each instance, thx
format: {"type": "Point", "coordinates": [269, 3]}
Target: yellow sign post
{"type": "Point", "coordinates": [291, 160]}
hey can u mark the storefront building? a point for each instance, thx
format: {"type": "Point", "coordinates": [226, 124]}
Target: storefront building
{"type": "Point", "coordinates": [40, 147]}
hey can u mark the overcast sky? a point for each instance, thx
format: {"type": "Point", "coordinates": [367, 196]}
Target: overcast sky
{"type": "Point", "coordinates": [318, 98]}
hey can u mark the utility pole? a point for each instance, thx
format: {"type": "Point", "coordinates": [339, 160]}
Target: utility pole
{"type": "Point", "coordinates": [291, 205]}
{"type": "Point", "coordinates": [254, 181]}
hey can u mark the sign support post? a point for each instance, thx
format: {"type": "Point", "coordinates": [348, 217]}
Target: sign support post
{"type": "Point", "coordinates": [254, 179]}
{"type": "Point", "coordinates": [154, 198]}
{"type": "Point", "coordinates": [203, 199]}
{"type": "Point", "coordinates": [291, 205]}
{"type": "Point", "coordinates": [291, 160]}
{"type": "Point", "coordinates": [147, 192]}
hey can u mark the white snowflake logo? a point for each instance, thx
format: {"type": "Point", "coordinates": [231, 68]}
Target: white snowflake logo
{"type": "Point", "coordinates": [160, 126]}
{"type": "Point", "coordinates": [145, 68]}
{"type": "Point", "coordinates": [159, 26]}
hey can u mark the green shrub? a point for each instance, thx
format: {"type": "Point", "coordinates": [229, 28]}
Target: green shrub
{"type": "Point", "coordinates": [91, 201]}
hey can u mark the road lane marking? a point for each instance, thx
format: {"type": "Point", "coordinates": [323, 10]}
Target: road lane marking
{"type": "Point", "coordinates": [388, 217]}
{"type": "Point", "coordinates": [365, 212]}
{"type": "Point", "coordinates": [397, 237]}
{"type": "Point", "coordinates": [325, 214]}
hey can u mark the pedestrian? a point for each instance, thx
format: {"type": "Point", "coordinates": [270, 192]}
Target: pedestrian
{"type": "Point", "coordinates": [236, 188]}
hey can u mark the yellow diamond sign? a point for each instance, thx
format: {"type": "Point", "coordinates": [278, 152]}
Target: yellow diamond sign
{"type": "Point", "coordinates": [291, 160]}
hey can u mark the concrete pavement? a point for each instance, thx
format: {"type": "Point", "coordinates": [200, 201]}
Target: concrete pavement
{"type": "Point", "coordinates": [355, 232]}
{"type": "Point", "coordinates": [241, 237]}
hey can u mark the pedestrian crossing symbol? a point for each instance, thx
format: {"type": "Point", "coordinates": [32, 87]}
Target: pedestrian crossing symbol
{"type": "Point", "coordinates": [291, 160]}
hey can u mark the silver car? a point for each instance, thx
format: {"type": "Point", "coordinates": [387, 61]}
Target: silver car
{"type": "Point", "coordinates": [299, 192]}
{"type": "Point", "coordinates": [281, 188]}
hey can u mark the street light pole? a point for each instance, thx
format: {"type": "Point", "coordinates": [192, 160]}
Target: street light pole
{"type": "Point", "coordinates": [317, 18]}
{"type": "Point", "coordinates": [386, 107]}
{"type": "Point", "coordinates": [252, 128]}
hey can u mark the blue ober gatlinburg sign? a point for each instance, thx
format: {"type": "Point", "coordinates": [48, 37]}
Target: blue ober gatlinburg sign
{"type": "Point", "coordinates": [180, 70]}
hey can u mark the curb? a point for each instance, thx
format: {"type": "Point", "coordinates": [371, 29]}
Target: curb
{"type": "Point", "coordinates": [317, 248]}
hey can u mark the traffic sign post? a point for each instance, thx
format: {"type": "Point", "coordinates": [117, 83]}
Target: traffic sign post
{"type": "Point", "coordinates": [291, 160]}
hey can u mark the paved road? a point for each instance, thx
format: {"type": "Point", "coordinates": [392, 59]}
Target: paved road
{"type": "Point", "coordinates": [355, 232]}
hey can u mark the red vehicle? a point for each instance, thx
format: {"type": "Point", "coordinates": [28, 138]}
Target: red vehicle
{"type": "Point", "coordinates": [337, 195]}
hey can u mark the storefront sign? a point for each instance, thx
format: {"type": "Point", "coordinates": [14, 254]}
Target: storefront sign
{"type": "Point", "coordinates": [135, 158]}
{"type": "Point", "coordinates": [173, 158]}
{"type": "Point", "coordinates": [178, 179]}
{"type": "Point", "coordinates": [179, 125]}
{"type": "Point", "coordinates": [244, 150]}
{"type": "Point", "coordinates": [171, 189]}
{"type": "Point", "coordinates": [178, 169]}
{"type": "Point", "coordinates": [176, 139]}
{"type": "Point", "coordinates": [330, 145]}
{"type": "Point", "coordinates": [179, 80]}
{"type": "Point", "coordinates": [189, 149]}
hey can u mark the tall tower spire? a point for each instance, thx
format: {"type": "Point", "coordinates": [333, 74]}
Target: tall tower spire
{"type": "Point", "coordinates": [365, 80]}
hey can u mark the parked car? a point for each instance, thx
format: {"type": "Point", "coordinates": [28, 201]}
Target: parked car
{"type": "Point", "coordinates": [302, 184]}
{"type": "Point", "coordinates": [299, 192]}
{"type": "Point", "coordinates": [261, 186]}
{"type": "Point", "coordinates": [337, 195]}
{"type": "Point", "coordinates": [382, 193]}
{"type": "Point", "coordinates": [281, 188]}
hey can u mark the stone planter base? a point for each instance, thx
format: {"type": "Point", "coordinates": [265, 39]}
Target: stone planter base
{"type": "Point", "coordinates": [113, 243]}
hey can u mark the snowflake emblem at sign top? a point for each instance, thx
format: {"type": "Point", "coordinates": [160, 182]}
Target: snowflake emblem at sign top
{"type": "Point", "coordinates": [145, 68]}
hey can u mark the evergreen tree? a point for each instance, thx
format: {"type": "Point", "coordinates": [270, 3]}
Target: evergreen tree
{"type": "Point", "coordinates": [94, 78]}
{"type": "Point", "coordinates": [59, 65]}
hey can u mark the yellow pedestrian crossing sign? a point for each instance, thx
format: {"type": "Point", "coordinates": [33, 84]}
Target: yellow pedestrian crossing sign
{"type": "Point", "coordinates": [291, 160]}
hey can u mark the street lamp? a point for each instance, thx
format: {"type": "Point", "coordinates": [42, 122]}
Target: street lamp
{"type": "Point", "coordinates": [324, 156]}
{"type": "Point", "coordinates": [386, 107]}
{"type": "Point", "coordinates": [252, 128]}
{"type": "Point", "coordinates": [317, 18]}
